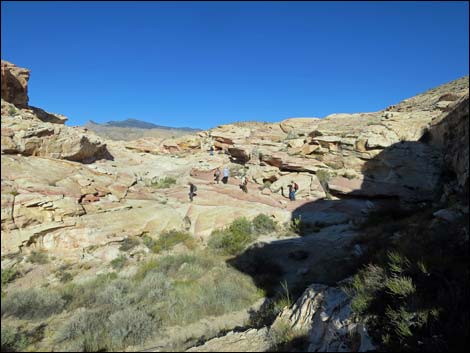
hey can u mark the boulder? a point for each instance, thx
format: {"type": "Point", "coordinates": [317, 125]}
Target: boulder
{"type": "Point", "coordinates": [14, 84]}
{"type": "Point", "coordinates": [24, 133]}
{"type": "Point", "coordinates": [299, 125]}
{"type": "Point", "coordinates": [324, 315]}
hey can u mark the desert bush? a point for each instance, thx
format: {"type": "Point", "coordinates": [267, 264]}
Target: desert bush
{"type": "Point", "coordinates": [233, 239]}
{"type": "Point", "coordinates": [264, 224]}
{"type": "Point", "coordinates": [38, 257]}
{"type": "Point", "coordinates": [297, 225]}
{"type": "Point", "coordinates": [149, 242]}
{"type": "Point", "coordinates": [32, 304]}
{"type": "Point", "coordinates": [115, 294]}
{"type": "Point", "coordinates": [229, 243]}
{"type": "Point", "coordinates": [155, 288]}
{"type": "Point", "coordinates": [281, 333]}
{"type": "Point", "coordinates": [8, 275]}
{"type": "Point", "coordinates": [64, 276]}
{"type": "Point", "coordinates": [119, 262]}
{"type": "Point", "coordinates": [164, 183]}
{"type": "Point", "coordinates": [414, 291]}
{"type": "Point", "coordinates": [85, 294]}
{"type": "Point", "coordinates": [129, 243]}
{"type": "Point", "coordinates": [129, 326]}
{"type": "Point", "coordinates": [13, 340]}
{"type": "Point", "coordinates": [241, 226]}
{"type": "Point", "coordinates": [169, 239]}
{"type": "Point", "coordinates": [12, 110]}
{"type": "Point", "coordinates": [85, 331]}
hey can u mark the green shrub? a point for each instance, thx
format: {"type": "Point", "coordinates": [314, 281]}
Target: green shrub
{"type": "Point", "coordinates": [241, 226]}
{"type": "Point", "coordinates": [85, 294]}
{"type": "Point", "coordinates": [33, 303]}
{"type": "Point", "coordinates": [64, 276]}
{"type": "Point", "coordinates": [264, 224]}
{"type": "Point", "coordinates": [297, 226]}
{"type": "Point", "coordinates": [38, 257]}
{"type": "Point", "coordinates": [164, 183]}
{"type": "Point", "coordinates": [12, 340]}
{"type": "Point", "coordinates": [12, 110]}
{"type": "Point", "coordinates": [149, 242]}
{"type": "Point", "coordinates": [169, 239]}
{"type": "Point", "coordinates": [119, 262]}
{"type": "Point", "coordinates": [8, 275]}
{"type": "Point", "coordinates": [413, 292]}
{"type": "Point", "coordinates": [129, 326]}
{"type": "Point", "coordinates": [85, 331]}
{"type": "Point", "coordinates": [129, 243]}
{"type": "Point", "coordinates": [228, 242]}
{"type": "Point", "coordinates": [14, 193]}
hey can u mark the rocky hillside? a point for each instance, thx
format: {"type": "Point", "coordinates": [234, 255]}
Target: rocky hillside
{"type": "Point", "coordinates": [80, 199]}
{"type": "Point", "coordinates": [132, 129]}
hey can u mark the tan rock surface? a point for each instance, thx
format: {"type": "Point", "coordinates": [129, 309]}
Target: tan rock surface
{"type": "Point", "coordinates": [14, 84]}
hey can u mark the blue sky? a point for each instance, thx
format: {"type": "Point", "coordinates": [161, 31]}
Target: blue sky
{"type": "Point", "coordinates": [202, 64]}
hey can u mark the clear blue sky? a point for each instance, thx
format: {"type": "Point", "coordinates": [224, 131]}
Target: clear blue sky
{"type": "Point", "coordinates": [202, 64]}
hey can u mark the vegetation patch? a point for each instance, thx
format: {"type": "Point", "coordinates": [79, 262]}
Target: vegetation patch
{"type": "Point", "coordinates": [38, 257]}
{"type": "Point", "coordinates": [35, 303]}
{"type": "Point", "coordinates": [13, 340]}
{"type": "Point", "coordinates": [164, 183]}
{"type": "Point", "coordinates": [119, 262]}
{"type": "Point", "coordinates": [413, 289]}
{"type": "Point", "coordinates": [129, 243]}
{"type": "Point", "coordinates": [264, 224]}
{"type": "Point", "coordinates": [110, 313]}
{"type": "Point", "coordinates": [233, 239]}
{"type": "Point", "coordinates": [168, 240]}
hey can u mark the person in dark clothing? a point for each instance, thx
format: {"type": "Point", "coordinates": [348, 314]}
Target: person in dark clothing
{"type": "Point", "coordinates": [217, 175]}
{"type": "Point", "coordinates": [226, 175]}
{"type": "Point", "coordinates": [244, 184]}
{"type": "Point", "coordinates": [192, 191]}
{"type": "Point", "coordinates": [291, 192]}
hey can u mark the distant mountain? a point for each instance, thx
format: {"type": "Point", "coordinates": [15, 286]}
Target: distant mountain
{"type": "Point", "coordinates": [133, 129]}
{"type": "Point", "coordinates": [139, 124]}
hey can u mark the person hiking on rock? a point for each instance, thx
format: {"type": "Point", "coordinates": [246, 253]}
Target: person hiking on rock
{"type": "Point", "coordinates": [226, 175]}
{"type": "Point", "coordinates": [293, 187]}
{"type": "Point", "coordinates": [192, 191]}
{"type": "Point", "coordinates": [211, 150]}
{"type": "Point", "coordinates": [217, 175]}
{"type": "Point", "coordinates": [291, 192]}
{"type": "Point", "coordinates": [244, 184]}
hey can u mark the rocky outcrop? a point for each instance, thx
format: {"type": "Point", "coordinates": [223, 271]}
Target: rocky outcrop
{"type": "Point", "coordinates": [14, 84]}
{"type": "Point", "coordinates": [450, 133]}
{"type": "Point", "coordinates": [248, 341]}
{"type": "Point", "coordinates": [24, 133]}
{"type": "Point", "coordinates": [324, 315]}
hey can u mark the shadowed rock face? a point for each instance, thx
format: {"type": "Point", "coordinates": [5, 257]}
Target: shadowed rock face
{"type": "Point", "coordinates": [14, 84]}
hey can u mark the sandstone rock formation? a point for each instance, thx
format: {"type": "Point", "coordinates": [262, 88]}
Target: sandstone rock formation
{"type": "Point", "coordinates": [14, 84]}
{"type": "Point", "coordinates": [65, 190]}
{"type": "Point", "coordinates": [324, 314]}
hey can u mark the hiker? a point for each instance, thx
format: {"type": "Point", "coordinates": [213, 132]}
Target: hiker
{"type": "Point", "coordinates": [211, 150]}
{"type": "Point", "coordinates": [291, 192]}
{"type": "Point", "coordinates": [226, 175]}
{"type": "Point", "coordinates": [296, 186]}
{"type": "Point", "coordinates": [217, 175]}
{"type": "Point", "coordinates": [192, 191]}
{"type": "Point", "coordinates": [244, 184]}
